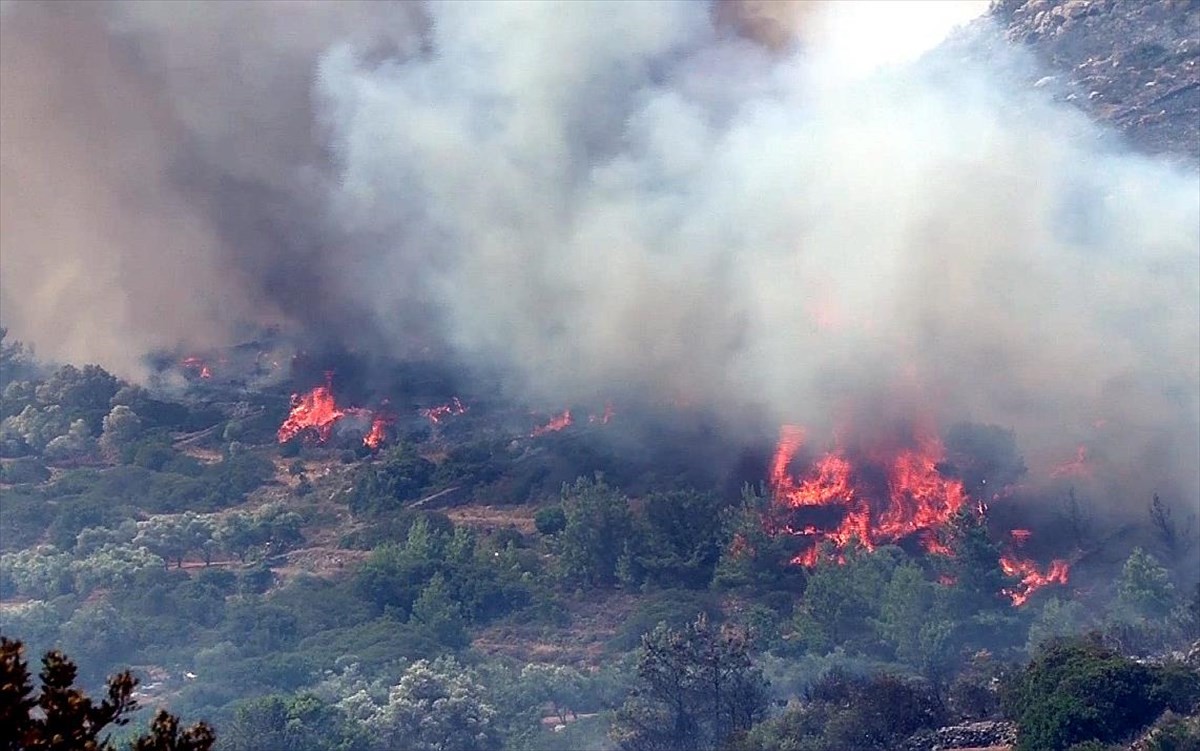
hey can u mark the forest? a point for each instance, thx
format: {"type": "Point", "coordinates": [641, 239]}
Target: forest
{"type": "Point", "coordinates": [453, 590]}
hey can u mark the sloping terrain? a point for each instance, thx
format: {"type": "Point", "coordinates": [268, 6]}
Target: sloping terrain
{"type": "Point", "coordinates": [1134, 64]}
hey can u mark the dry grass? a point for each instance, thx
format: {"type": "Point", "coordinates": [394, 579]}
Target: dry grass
{"type": "Point", "coordinates": [594, 622]}
{"type": "Point", "coordinates": [484, 518]}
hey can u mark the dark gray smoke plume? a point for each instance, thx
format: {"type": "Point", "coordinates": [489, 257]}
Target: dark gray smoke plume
{"type": "Point", "coordinates": [165, 180]}
{"type": "Point", "coordinates": [691, 203]}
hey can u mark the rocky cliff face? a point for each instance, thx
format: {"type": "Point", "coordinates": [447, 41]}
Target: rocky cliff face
{"type": "Point", "coordinates": [1132, 63]}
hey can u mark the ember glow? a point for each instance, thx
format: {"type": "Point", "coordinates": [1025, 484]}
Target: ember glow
{"type": "Point", "coordinates": [196, 366]}
{"type": "Point", "coordinates": [436, 414]}
{"type": "Point", "coordinates": [316, 413]}
{"type": "Point", "coordinates": [878, 497]}
{"type": "Point", "coordinates": [558, 422]}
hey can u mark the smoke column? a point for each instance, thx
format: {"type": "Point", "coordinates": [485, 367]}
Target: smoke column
{"type": "Point", "coordinates": [735, 204]}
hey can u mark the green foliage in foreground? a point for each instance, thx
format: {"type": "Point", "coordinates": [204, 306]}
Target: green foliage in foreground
{"type": "Point", "coordinates": [1080, 690]}
{"type": "Point", "coordinates": [696, 687]}
{"type": "Point", "coordinates": [61, 717]}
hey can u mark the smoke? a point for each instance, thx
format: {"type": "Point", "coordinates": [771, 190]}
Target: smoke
{"type": "Point", "coordinates": [639, 201]}
{"type": "Point", "coordinates": [163, 178]}
{"type": "Point", "coordinates": [742, 205]}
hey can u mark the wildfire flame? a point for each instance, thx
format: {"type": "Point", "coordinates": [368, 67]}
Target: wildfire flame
{"type": "Point", "coordinates": [378, 432]}
{"type": "Point", "coordinates": [885, 496]}
{"type": "Point", "coordinates": [436, 414]}
{"type": "Point", "coordinates": [558, 422]}
{"type": "Point", "coordinates": [1031, 579]}
{"type": "Point", "coordinates": [1077, 467]}
{"type": "Point", "coordinates": [317, 412]}
{"type": "Point", "coordinates": [917, 499]}
{"type": "Point", "coordinates": [196, 365]}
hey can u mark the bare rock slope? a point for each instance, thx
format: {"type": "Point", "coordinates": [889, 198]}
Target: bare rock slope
{"type": "Point", "coordinates": [1134, 64]}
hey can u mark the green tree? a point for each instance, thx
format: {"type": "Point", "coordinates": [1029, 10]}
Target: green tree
{"type": "Point", "coordinates": [75, 443]}
{"type": "Point", "coordinates": [842, 601]}
{"type": "Point", "coordinates": [436, 706]}
{"type": "Point", "coordinates": [1144, 590]}
{"type": "Point", "coordinates": [1056, 619]}
{"type": "Point", "coordinates": [560, 686]}
{"type": "Point", "coordinates": [165, 536]}
{"type": "Point", "coordinates": [121, 428]}
{"type": "Point", "coordinates": [550, 520]}
{"type": "Point", "coordinates": [436, 611]}
{"type": "Point", "coordinates": [695, 688]}
{"type": "Point", "coordinates": [400, 478]}
{"type": "Point", "coordinates": [66, 719]}
{"type": "Point", "coordinates": [679, 538]}
{"type": "Point", "coordinates": [978, 600]}
{"type": "Point", "coordinates": [35, 427]}
{"type": "Point", "coordinates": [751, 556]}
{"type": "Point", "coordinates": [914, 623]}
{"type": "Point", "coordinates": [16, 361]}
{"type": "Point", "coordinates": [1139, 618]}
{"type": "Point", "coordinates": [598, 525]}
{"type": "Point", "coordinates": [290, 723]}
{"type": "Point", "coordinates": [979, 582]}
{"type": "Point", "coordinates": [1080, 690]}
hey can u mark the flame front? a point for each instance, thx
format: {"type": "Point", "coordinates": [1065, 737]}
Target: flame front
{"type": "Point", "coordinates": [196, 365]}
{"type": "Point", "coordinates": [1031, 579]}
{"type": "Point", "coordinates": [558, 422]}
{"type": "Point", "coordinates": [378, 433]}
{"type": "Point", "coordinates": [317, 412]}
{"type": "Point", "coordinates": [1078, 467]}
{"type": "Point", "coordinates": [436, 414]}
{"type": "Point", "coordinates": [907, 499]}
{"type": "Point", "coordinates": [917, 498]}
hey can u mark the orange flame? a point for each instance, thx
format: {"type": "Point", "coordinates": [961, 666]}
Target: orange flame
{"type": "Point", "coordinates": [917, 498]}
{"type": "Point", "coordinates": [436, 414]}
{"type": "Point", "coordinates": [196, 365]}
{"type": "Point", "coordinates": [908, 499]}
{"type": "Point", "coordinates": [378, 433]}
{"type": "Point", "coordinates": [1031, 579]}
{"type": "Point", "coordinates": [556, 423]}
{"type": "Point", "coordinates": [317, 412]}
{"type": "Point", "coordinates": [1077, 467]}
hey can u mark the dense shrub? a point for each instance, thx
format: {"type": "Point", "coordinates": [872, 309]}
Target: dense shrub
{"type": "Point", "coordinates": [550, 520]}
{"type": "Point", "coordinates": [21, 471]}
{"type": "Point", "coordinates": [1080, 690]}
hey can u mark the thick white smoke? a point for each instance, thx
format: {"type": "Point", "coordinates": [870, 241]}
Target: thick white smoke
{"type": "Point", "coordinates": [635, 199]}
{"type": "Point", "coordinates": [607, 199]}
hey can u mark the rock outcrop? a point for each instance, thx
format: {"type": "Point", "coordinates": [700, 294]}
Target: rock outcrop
{"type": "Point", "coordinates": [983, 734]}
{"type": "Point", "coordinates": [1132, 63]}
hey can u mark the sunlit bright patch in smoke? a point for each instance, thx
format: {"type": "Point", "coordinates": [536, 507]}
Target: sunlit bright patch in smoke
{"type": "Point", "coordinates": [854, 38]}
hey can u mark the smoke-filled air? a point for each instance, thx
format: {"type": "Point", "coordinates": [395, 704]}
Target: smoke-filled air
{"type": "Point", "coordinates": [733, 205]}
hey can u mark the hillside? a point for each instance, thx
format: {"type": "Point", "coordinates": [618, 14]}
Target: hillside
{"type": "Point", "coordinates": [746, 409]}
{"type": "Point", "coordinates": [1134, 64]}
